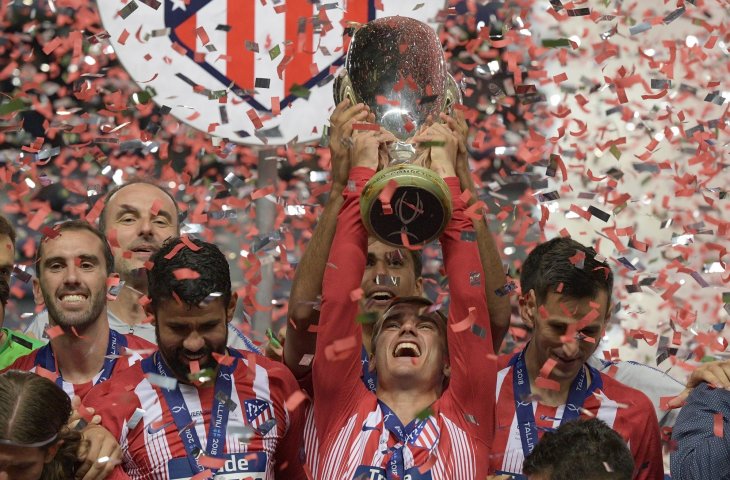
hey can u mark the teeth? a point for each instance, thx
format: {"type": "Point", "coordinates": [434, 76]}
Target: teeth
{"type": "Point", "coordinates": [407, 346]}
{"type": "Point", "coordinates": [382, 296]}
{"type": "Point", "coordinates": [73, 298]}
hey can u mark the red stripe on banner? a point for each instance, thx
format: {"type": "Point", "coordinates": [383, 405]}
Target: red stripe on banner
{"type": "Point", "coordinates": [297, 71]}
{"type": "Point", "coordinates": [186, 32]}
{"type": "Point", "coordinates": [240, 63]}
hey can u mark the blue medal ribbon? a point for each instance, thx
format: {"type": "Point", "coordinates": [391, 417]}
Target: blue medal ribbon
{"type": "Point", "coordinates": [117, 342]}
{"type": "Point", "coordinates": [579, 391]}
{"type": "Point", "coordinates": [404, 434]}
{"type": "Point", "coordinates": [181, 414]}
{"type": "Point", "coordinates": [370, 379]}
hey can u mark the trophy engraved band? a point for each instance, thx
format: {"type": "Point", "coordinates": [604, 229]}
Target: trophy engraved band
{"type": "Point", "coordinates": [395, 65]}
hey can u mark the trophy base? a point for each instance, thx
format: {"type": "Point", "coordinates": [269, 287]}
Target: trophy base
{"type": "Point", "coordinates": [418, 211]}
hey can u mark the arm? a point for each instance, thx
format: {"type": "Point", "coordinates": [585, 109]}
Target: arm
{"type": "Point", "coordinates": [646, 446]}
{"type": "Point", "coordinates": [288, 452]}
{"type": "Point", "coordinates": [700, 453]}
{"type": "Point", "coordinates": [307, 285]}
{"type": "Point", "coordinates": [336, 369]}
{"type": "Point", "coordinates": [472, 379]}
{"type": "Point", "coordinates": [499, 307]}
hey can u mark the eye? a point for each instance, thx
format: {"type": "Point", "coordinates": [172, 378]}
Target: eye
{"type": "Point", "coordinates": [391, 324]}
{"type": "Point", "coordinates": [55, 266]}
{"type": "Point", "coordinates": [161, 222]}
{"type": "Point", "coordinates": [127, 219]}
{"type": "Point", "coordinates": [371, 261]}
{"type": "Point", "coordinates": [428, 325]}
{"type": "Point", "coordinates": [87, 265]}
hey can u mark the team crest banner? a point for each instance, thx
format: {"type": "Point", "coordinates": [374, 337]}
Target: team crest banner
{"type": "Point", "coordinates": [252, 71]}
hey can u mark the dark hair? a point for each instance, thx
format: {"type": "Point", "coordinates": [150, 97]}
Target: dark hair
{"type": "Point", "coordinates": [417, 262]}
{"type": "Point", "coordinates": [4, 291]}
{"type": "Point", "coordinates": [76, 225]}
{"type": "Point", "coordinates": [566, 263]}
{"type": "Point", "coordinates": [207, 261]}
{"type": "Point", "coordinates": [581, 450]}
{"type": "Point", "coordinates": [6, 228]}
{"type": "Point", "coordinates": [33, 410]}
{"type": "Point", "coordinates": [134, 181]}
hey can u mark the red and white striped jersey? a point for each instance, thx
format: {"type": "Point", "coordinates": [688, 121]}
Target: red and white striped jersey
{"type": "Point", "coordinates": [135, 411]}
{"type": "Point", "coordinates": [352, 441]}
{"type": "Point", "coordinates": [627, 411]}
{"type": "Point", "coordinates": [137, 348]}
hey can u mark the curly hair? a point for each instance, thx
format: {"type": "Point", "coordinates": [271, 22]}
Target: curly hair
{"type": "Point", "coordinates": [34, 410]}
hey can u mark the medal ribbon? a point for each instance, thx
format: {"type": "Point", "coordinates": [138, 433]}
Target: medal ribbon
{"type": "Point", "coordinates": [181, 415]}
{"type": "Point", "coordinates": [117, 342]}
{"type": "Point", "coordinates": [579, 391]}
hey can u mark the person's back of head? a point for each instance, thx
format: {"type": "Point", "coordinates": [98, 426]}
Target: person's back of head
{"type": "Point", "coordinates": [580, 450]}
{"type": "Point", "coordinates": [35, 441]}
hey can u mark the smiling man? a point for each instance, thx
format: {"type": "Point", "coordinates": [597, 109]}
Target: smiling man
{"type": "Point", "coordinates": [195, 404]}
{"type": "Point", "coordinates": [412, 426]}
{"type": "Point", "coordinates": [549, 383]}
{"type": "Point", "coordinates": [137, 218]}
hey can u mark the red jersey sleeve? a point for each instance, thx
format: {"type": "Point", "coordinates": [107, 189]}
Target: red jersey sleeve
{"type": "Point", "coordinates": [336, 368]}
{"type": "Point", "coordinates": [473, 379]}
{"type": "Point", "coordinates": [644, 439]}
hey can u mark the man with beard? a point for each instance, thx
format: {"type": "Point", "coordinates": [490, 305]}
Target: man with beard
{"type": "Point", "coordinates": [74, 265]}
{"type": "Point", "coordinates": [195, 405]}
{"type": "Point", "coordinates": [137, 217]}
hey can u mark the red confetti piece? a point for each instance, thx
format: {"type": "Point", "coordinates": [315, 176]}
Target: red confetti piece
{"type": "Point", "coordinates": [52, 45]}
{"type": "Point", "coordinates": [294, 400]}
{"type": "Point", "coordinates": [547, 367]}
{"type": "Point", "coordinates": [226, 359]}
{"type": "Point", "coordinates": [194, 366]}
{"type": "Point", "coordinates": [356, 294]}
{"type": "Point", "coordinates": [202, 35]}
{"type": "Point", "coordinates": [385, 196]}
{"type": "Point", "coordinates": [189, 243]}
{"type": "Point", "coordinates": [155, 208]}
{"type": "Point", "coordinates": [54, 331]}
{"type": "Point", "coordinates": [275, 106]}
{"type": "Point", "coordinates": [253, 116]}
{"type": "Point", "coordinates": [174, 251]}
{"type": "Point", "coordinates": [123, 37]}
{"type": "Point", "coordinates": [718, 424]}
{"type": "Point", "coordinates": [466, 323]}
{"type": "Point", "coordinates": [185, 274]}
{"type": "Point", "coordinates": [262, 192]}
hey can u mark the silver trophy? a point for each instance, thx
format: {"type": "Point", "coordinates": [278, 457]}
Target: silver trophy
{"type": "Point", "coordinates": [396, 66]}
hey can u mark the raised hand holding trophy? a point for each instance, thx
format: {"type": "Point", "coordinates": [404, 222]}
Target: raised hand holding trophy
{"type": "Point", "coordinates": [395, 65]}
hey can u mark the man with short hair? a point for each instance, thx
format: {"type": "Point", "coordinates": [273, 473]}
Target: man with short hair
{"type": "Point", "coordinates": [412, 426]}
{"type": "Point", "coordinates": [195, 405]}
{"type": "Point", "coordinates": [580, 450]}
{"type": "Point", "coordinates": [137, 218]}
{"type": "Point", "coordinates": [74, 266]}
{"type": "Point", "coordinates": [12, 344]}
{"type": "Point", "coordinates": [549, 382]}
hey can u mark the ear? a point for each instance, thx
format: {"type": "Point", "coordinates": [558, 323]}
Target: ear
{"type": "Point", "coordinates": [371, 363]}
{"type": "Point", "coordinates": [149, 312]}
{"type": "Point", "coordinates": [528, 308]}
{"type": "Point", "coordinates": [37, 294]}
{"type": "Point", "coordinates": [419, 286]}
{"type": "Point", "coordinates": [51, 452]}
{"type": "Point", "coordinates": [231, 309]}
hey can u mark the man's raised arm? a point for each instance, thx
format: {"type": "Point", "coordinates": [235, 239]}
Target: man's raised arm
{"type": "Point", "coordinates": [307, 286]}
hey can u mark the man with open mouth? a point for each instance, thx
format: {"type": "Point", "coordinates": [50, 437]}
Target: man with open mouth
{"type": "Point", "coordinates": [411, 426]}
{"type": "Point", "coordinates": [137, 217]}
{"type": "Point", "coordinates": [194, 404]}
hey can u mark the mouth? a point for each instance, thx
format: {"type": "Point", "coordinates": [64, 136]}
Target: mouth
{"type": "Point", "coordinates": [380, 297]}
{"type": "Point", "coordinates": [72, 298]}
{"type": "Point", "coordinates": [566, 362]}
{"type": "Point", "coordinates": [144, 250]}
{"type": "Point", "coordinates": [407, 349]}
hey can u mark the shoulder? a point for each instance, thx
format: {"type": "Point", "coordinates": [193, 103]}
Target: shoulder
{"type": "Point", "coordinates": [715, 399]}
{"type": "Point", "coordinates": [279, 377]}
{"type": "Point", "coordinates": [138, 343]}
{"type": "Point", "coordinates": [25, 341]}
{"type": "Point", "coordinates": [122, 384]}
{"type": "Point", "coordinates": [633, 399]}
{"type": "Point", "coordinates": [640, 376]}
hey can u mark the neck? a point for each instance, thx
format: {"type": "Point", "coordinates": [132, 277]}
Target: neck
{"type": "Point", "coordinates": [80, 358]}
{"type": "Point", "coordinates": [126, 307]}
{"type": "Point", "coordinates": [407, 404]}
{"type": "Point", "coordinates": [547, 396]}
{"type": "Point", "coordinates": [2, 335]}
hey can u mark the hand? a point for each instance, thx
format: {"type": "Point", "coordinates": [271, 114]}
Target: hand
{"type": "Point", "coordinates": [341, 121]}
{"type": "Point", "coordinates": [458, 126]}
{"type": "Point", "coordinates": [77, 415]}
{"type": "Point", "coordinates": [98, 444]}
{"type": "Point", "coordinates": [368, 147]}
{"type": "Point", "coordinates": [717, 374]}
{"type": "Point", "coordinates": [444, 148]}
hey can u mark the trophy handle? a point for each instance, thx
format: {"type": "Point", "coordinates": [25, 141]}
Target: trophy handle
{"type": "Point", "coordinates": [452, 95]}
{"type": "Point", "coordinates": [342, 89]}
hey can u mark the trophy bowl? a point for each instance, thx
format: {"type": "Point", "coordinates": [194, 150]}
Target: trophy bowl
{"type": "Point", "coordinates": [396, 66]}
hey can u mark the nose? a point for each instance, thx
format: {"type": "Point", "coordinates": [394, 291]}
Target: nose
{"type": "Point", "coordinates": [408, 326]}
{"type": "Point", "coordinates": [193, 342]}
{"type": "Point", "coordinates": [571, 348]}
{"type": "Point", "coordinates": [380, 269]}
{"type": "Point", "coordinates": [145, 226]}
{"type": "Point", "coordinates": [72, 274]}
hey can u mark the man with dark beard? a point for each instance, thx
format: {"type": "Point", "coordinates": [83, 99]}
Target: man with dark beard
{"type": "Point", "coordinates": [196, 405]}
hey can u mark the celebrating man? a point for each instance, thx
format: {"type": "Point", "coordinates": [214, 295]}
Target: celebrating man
{"type": "Point", "coordinates": [195, 405]}
{"type": "Point", "coordinates": [412, 426]}
{"type": "Point", "coordinates": [565, 300]}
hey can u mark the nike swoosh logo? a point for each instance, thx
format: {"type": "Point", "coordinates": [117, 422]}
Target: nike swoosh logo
{"type": "Point", "coordinates": [153, 431]}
